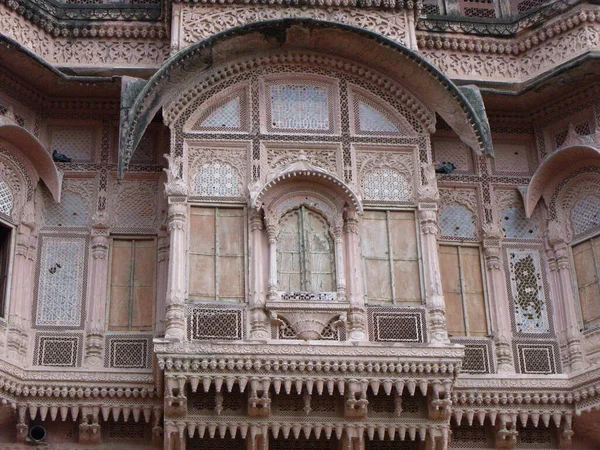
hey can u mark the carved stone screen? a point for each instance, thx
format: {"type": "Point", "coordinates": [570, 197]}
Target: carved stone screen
{"type": "Point", "coordinates": [587, 268]}
{"type": "Point", "coordinates": [217, 254]}
{"type": "Point", "coordinates": [528, 292]}
{"type": "Point", "coordinates": [463, 290]}
{"type": "Point", "coordinates": [586, 214]}
{"type": "Point", "coordinates": [6, 198]}
{"type": "Point", "coordinates": [305, 257]}
{"type": "Point", "coordinates": [132, 284]}
{"type": "Point", "coordinates": [299, 107]}
{"type": "Point", "coordinates": [61, 282]}
{"type": "Point", "coordinates": [390, 258]}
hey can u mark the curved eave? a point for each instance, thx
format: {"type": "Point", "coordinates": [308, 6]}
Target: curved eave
{"type": "Point", "coordinates": [323, 177]}
{"type": "Point", "coordinates": [461, 108]}
{"type": "Point", "coordinates": [32, 149]}
{"type": "Point", "coordinates": [556, 164]}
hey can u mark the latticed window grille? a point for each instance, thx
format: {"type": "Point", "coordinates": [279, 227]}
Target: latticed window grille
{"type": "Point", "coordinates": [536, 358]}
{"type": "Point", "coordinates": [457, 221]}
{"type": "Point", "coordinates": [516, 225]}
{"type": "Point", "coordinates": [396, 324]}
{"type": "Point", "coordinates": [6, 198]}
{"type": "Point", "coordinates": [472, 437]}
{"type": "Point", "coordinates": [524, 6]}
{"type": "Point", "coordinates": [61, 281]}
{"type": "Point", "coordinates": [386, 184]}
{"type": "Point", "coordinates": [586, 257]}
{"type": "Point", "coordinates": [537, 437]}
{"type": "Point", "coordinates": [205, 322]}
{"type": "Point", "coordinates": [127, 352]}
{"type": "Point", "coordinates": [463, 286]}
{"type": "Point", "coordinates": [72, 211]}
{"type": "Point", "coordinates": [478, 355]}
{"type": "Point", "coordinates": [206, 443]}
{"type": "Point", "coordinates": [454, 151]}
{"type": "Point", "coordinates": [303, 443]}
{"type": "Point", "coordinates": [431, 7]}
{"type": "Point", "coordinates": [511, 158]}
{"type": "Point", "coordinates": [305, 253]}
{"type": "Point", "coordinates": [57, 350]}
{"type": "Point", "coordinates": [478, 8]}
{"type": "Point", "coordinates": [217, 254]}
{"type": "Point", "coordinates": [132, 284]}
{"type": "Point", "coordinates": [528, 292]}
{"type": "Point", "coordinates": [217, 179]}
{"type": "Point", "coordinates": [135, 209]}
{"type": "Point", "coordinates": [390, 257]}
{"type": "Point", "coordinates": [373, 120]}
{"type": "Point", "coordinates": [77, 142]}
{"type": "Point", "coordinates": [225, 116]}
{"type": "Point", "coordinates": [126, 432]}
{"type": "Point", "coordinates": [585, 215]}
{"type": "Point", "coordinates": [387, 444]}
{"type": "Point", "coordinates": [299, 107]}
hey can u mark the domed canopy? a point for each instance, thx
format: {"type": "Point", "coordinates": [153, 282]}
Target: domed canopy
{"type": "Point", "coordinates": [462, 108]}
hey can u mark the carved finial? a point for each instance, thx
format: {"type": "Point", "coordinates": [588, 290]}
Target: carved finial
{"type": "Point", "coordinates": [175, 184]}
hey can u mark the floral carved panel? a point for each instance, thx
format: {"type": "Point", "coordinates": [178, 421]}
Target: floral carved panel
{"type": "Point", "coordinates": [201, 21]}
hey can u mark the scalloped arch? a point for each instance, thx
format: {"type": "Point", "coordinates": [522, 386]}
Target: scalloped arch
{"type": "Point", "coordinates": [462, 108]}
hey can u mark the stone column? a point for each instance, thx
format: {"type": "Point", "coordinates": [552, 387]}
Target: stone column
{"type": "Point", "coordinates": [96, 310]}
{"type": "Point", "coordinates": [503, 8]}
{"type": "Point", "coordinates": [19, 308]}
{"type": "Point", "coordinates": [434, 297]}
{"type": "Point", "coordinates": [259, 323]}
{"type": "Point", "coordinates": [340, 274]}
{"type": "Point", "coordinates": [357, 318]}
{"type": "Point", "coordinates": [176, 286]}
{"type": "Point", "coordinates": [498, 299]}
{"type": "Point", "coordinates": [161, 282]}
{"type": "Point", "coordinates": [272, 235]}
{"type": "Point", "coordinates": [565, 295]}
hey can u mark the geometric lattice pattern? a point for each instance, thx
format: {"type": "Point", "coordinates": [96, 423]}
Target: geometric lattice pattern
{"type": "Point", "coordinates": [225, 116]}
{"type": "Point", "coordinates": [214, 323]}
{"type": "Point", "coordinates": [536, 358]}
{"type": "Point", "coordinates": [217, 179]}
{"type": "Point", "coordinates": [396, 325]}
{"type": "Point", "coordinates": [516, 225]}
{"type": "Point", "coordinates": [130, 431]}
{"type": "Point", "coordinates": [6, 198]}
{"type": "Point", "coordinates": [453, 151]}
{"type": "Point", "coordinates": [76, 142]}
{"type": "Point", "coordinates": [373, 121]}
{"type": "Point", "coordinates": [537, 437]}
{"type": "Point", "coordinates": [61, 282]}
{"type": "Point", "coordinates": [72, 211]}
{"type": "Point", "coordinates": [457, 221]}
{"type": "Point", "coordinates": [526, 5]}
{"type": "Point", "coordinates": [62, 350]}
{"type": "Point", "coordinates": [585, 215]}
{"type": "Point", "coordinates": [528, 294]}
{"type": "Point", "coordinates": [478, 355]}
{"type": "Point", "coordinates": [299, 107]}
{"type": "Point", "coordinates": [471, 437]}
{"type": "Point", "coordinates": [386, 184]}
{"type": "Point", "coordinates": [511, 158]}
{"type": "Point", "coordinates": [135, 209]}
{"type": "Point", "coordinates": [128, 352]}
{"type": "Point", "coordinates": [226, 443]}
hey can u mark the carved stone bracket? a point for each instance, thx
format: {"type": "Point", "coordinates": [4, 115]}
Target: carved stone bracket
{"type": "Point", "coordinates": [307, 320]}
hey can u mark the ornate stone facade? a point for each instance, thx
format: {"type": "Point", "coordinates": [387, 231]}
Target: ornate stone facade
{"type": "Point", "coordinates": [347, 225]}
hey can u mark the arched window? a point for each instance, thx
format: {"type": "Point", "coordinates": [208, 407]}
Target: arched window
{"type": "Point", "coordinates": [6, 198]}
{"type": "Point", "coordinates": [305, 253]}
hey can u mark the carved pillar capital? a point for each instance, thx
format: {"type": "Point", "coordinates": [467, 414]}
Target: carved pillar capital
{"type": "Point", "coordinates": [177, 216]}
{"type": "Point", "coordinates": [256, 220]}
{"type": "Point", "coordinates": [100, 245]}
{"type": "Point", "coordinates": [428, 219]}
